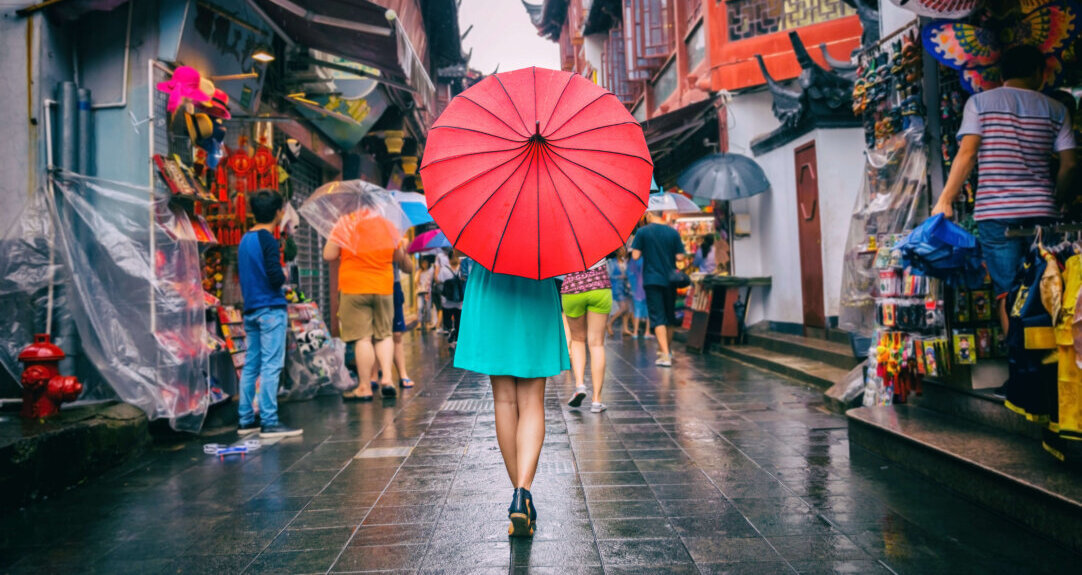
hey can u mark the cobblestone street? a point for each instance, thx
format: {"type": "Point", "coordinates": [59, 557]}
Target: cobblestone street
{"type": "Point", "coordinates": [712, 467]}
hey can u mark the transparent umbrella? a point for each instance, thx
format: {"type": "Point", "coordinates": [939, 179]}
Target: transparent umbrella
{"type": "Point", "coordinates": [670, 202]}
{"type": "Point", "coordinates": [358, 216]}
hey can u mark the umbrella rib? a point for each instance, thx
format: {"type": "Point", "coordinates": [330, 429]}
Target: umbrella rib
{"type": "Point", "coordinates": [459, 186]}
{"type": "Point", "coordinates": [471, 154]}
{"type": "Point", "coordinates": [537, 199]}
{"type": "Point", "coordinates": [499, 244]}
{"type": "Point", "coordinates": [588, 104]}
{"type": "Point", "coordinates": [478, 132]}
{"type": "Point", "coordinates": [557, 104]}
{"type": "Point", "coordinates": [591, 130]}
{"type": "Point", "coordinates": [591, 200]}
{"type": "Point", "coordinates": [513, 106]}
{"type": "Point", "coordinates": [563, 207]}
{"type": "Point", "coordinates": [493, 114]}
{"type": "Point", "coordinates": [613, 152]}
{"type": "Point", "coordinates": [589, 169]}
{"type": "Point", "coordinates": [487, 200]}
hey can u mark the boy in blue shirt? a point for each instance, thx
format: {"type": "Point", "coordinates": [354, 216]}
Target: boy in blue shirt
{"type": "Point", "coordinates": [265, 317]}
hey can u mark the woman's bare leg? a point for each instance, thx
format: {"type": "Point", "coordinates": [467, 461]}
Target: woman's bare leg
{"type": "Point", "coordinates": [576, 336]}
{"type": "Point", "coordinates": [506, 403]}
{"type": "Point", "coordinates": [530, 395]}
{"type": "Point", "coordinates": [595, 337]}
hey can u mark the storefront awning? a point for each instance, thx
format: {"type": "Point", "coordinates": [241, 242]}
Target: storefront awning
{"type": "Point", "coordinates": [358, 30]}
{"type": "Point", "coordinates": [676, 139]}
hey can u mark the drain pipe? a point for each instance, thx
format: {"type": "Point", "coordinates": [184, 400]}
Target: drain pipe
{"type": "Point", "coordinates": [83, 126]}
{"type": "Point", "coordinates": [68, 124]}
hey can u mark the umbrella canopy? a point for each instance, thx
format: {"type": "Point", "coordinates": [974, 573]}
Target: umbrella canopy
{"type": "Point", "coordinates": [536, 173]}
{"type": "Point", "coordinates": [670, 202]}
{"type": "Point", "coordinates": [358, 216]}
{"type": "Point", "coordinates": [724, 177]}
{"type": "Point", "coordinates": [430, 240]}
{"type": "Point", "coordinates": [414, 205]}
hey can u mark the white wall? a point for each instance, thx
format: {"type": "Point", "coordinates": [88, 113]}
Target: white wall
{"type": "Point", "coordinates": [893, 17]}
{"type": "Point", "coordinates": [773, 249]}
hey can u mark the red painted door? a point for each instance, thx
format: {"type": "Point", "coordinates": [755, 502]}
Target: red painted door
{"type": "Point", "coordinates": [811, 238]}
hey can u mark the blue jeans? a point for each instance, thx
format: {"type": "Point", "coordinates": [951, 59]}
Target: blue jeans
{"type": "Point", "coordinates": [1003, 255]}
{"type": "Point", "coordinates": [266, 329]}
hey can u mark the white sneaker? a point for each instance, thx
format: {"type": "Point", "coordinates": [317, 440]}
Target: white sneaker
{"type": "Point", "coordinates": [597, 407]}
{"type": "Point", "coordinates": [664, 361]}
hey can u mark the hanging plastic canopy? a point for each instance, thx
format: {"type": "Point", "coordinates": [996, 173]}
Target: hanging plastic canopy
{"type": "Point", "coordinates": [891, 201]}
{"type": "Point", "coordinates": [137, 296]}
{"type": "Point", "coordinates": [358, 216]}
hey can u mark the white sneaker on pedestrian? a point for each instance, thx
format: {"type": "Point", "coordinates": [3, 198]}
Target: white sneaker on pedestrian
{"type": "Point", "coordinates": [580, 394]}
{"type": "Point", "coordinates": [597, 407]}
{"type": "Point", "coordinates": [664, 361]}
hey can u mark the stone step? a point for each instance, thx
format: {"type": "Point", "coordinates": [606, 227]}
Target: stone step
{"type": "Point", "coordinates": [40, 458]}
{"type": "Point", "coordinates": [816, 373]}
{"type": "Point", "coordinates": [823, 350]}
{"type": "Point", "coordinates": [1006, 472]}
{"type": "Point", "coordinates": [976, 405]}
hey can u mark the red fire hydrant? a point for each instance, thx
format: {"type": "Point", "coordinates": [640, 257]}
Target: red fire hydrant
{"type": "Point", "coordinates": [44, 389]}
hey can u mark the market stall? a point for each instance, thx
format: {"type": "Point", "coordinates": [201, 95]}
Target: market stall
{"type": "Point", "coordinates": [911, 322]}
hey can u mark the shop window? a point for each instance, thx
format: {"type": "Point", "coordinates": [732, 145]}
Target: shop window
{"type": "Point", "coordinates": [614, 68]}
{"type": "Point", "coordinates": [750, 18]}
{"type": "Point", "coordinates": [649, 36]}
{"type": "Point", "coordinates": [696, 47]}
{"type": "Point", "coordinates": [639, 111]}
{"type": "Point", "coordinates": [665, 84]}
{"type": "Point", "coordinates": [692, 10]}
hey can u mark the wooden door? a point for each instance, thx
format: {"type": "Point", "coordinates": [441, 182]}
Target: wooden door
{"type": "Point", "coordinates": [811, 237]}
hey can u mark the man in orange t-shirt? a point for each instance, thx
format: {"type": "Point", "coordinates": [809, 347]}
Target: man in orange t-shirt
{"type": "Point", "coordinates": [366, 300]}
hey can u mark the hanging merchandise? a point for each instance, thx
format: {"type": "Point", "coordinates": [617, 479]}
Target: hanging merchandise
{"type": "Point", "coordinates": [973, 48]}
{"type": "Point", "coordinates": [887, 91]}
{"type": "Point", "coordinates": [941, 248]}
{"type": "Point", "coordinates": [186, 84]}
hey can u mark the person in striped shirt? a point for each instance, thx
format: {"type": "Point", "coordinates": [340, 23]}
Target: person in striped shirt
{"type": "Point", "coordinates": [1010, 135]}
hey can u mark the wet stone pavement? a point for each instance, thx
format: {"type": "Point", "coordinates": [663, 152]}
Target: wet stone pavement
{"type": "Point", "coordinates": [712, 467]}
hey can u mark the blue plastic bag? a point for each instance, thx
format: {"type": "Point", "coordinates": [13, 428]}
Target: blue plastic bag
{"type": "Point", "coordinates": [942, 249]}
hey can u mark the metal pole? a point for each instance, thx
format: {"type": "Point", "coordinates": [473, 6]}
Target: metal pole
{"type": "Point", "coordinates": [52, 234]}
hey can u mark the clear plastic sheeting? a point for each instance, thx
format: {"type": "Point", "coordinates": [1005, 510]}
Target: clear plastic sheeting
{"type": "Point", "coordinates": [358, 216]}
{"type": "Point", "coordinates": [892, 199]}
{"type": "Point", "coordinates": [137, 295]}
{"type": "Point", "coordinates": [24, 280]}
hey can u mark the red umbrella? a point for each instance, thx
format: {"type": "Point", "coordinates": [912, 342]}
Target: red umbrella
{"type": "Point", "coordinates": [536, 173]}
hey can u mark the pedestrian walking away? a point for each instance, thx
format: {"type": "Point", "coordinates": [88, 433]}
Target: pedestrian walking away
{"type": "Point", "coordinates": [425, 274]}
{"type": "Point", "coordinates": [639, 313]}
{"type": "Point", "coordinates": [621, 292]}
{"type": "Point", "coordinates": [398, 330]}
{"type": "Point", "coordinates": [660, 249]}
{"type": "Point", "coordinates": [587, 302]}
{"type": "Point", "coordinates": [511, 331]}
{"type": "Point", "coordinates": [265, 318]}
{"type": "Point", "coordinates": [366, 310]}
{"type": "Point", "coordinates": [453, 287]}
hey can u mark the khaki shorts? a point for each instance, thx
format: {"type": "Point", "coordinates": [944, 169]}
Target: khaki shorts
{"type": "Point", "coordinates": [363, 316]}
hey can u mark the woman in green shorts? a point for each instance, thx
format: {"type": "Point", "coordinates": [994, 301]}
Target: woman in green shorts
{"type": "Point", "coordinates": [587, 299]}
{"type": "Point", "coordinates": [511, 331]}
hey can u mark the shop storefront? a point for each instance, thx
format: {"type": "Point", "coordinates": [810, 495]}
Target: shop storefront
{"type": "Point", "coordinates": [911, 91]}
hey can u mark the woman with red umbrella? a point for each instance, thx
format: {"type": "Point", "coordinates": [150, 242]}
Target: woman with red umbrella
{"type": "Point", "coordinates": [532, 174]}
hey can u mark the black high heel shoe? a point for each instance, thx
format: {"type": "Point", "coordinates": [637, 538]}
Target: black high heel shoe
{"type": "Point", "coordinates": [520, 515]}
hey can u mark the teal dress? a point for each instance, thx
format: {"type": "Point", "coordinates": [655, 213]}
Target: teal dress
{"type": "Point", "coordinates": [511, 326]}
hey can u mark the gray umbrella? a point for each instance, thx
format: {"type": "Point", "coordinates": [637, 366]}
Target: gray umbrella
{"type": "Point", "coordinates": [724, 177]}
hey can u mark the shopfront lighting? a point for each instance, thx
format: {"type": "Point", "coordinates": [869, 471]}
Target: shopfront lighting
{"type": "Point", "coordinates": [409, 165]}
{"type": "Point", "coordinates": [263, 55]}
{"type": "Point", "coordinates": [394, 139]}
